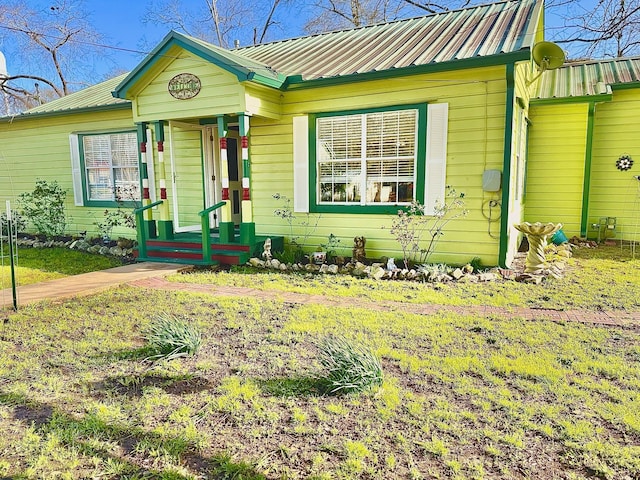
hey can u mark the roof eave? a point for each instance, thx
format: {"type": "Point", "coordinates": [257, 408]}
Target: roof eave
{"type": "Point", "coordinates": [174, 38]}
{"type": "Point", "coordinates": [297, 82]}
{"type": "Point", "coordinates": [55, 113]}
{"type": "Point", "coordinates": [601, 97]}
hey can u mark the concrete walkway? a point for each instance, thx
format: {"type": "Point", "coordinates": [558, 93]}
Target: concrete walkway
{"type": "Point", "coordinates": [86, 283]}
{"type": "Point", "coordinates": [152, 276]}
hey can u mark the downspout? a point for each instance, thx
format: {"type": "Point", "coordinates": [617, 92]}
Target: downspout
{"type": "Point", "coordinates": [586, 186]}
{"type": "Point", "coordinates": [506, 167]}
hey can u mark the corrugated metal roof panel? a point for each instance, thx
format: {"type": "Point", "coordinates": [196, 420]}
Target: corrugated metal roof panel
{"type": "Point", "coordinates": [480, 31]}
{"type": "Point", "coordinates": [588, 78]}
{"type": "Point", "coordinates": [484, 30]}
{"type": "Point", "coordinates": [98, 95]}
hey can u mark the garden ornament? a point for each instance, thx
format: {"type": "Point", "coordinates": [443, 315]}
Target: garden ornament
{"type": "Point", "coordinates": [391, 265]}
{"type": "Point", "coordinates": [537, 234]}
{"type": "Point", "coordinates": [266, 252]}
{"type": "Point", "coordinates": [359, 255]}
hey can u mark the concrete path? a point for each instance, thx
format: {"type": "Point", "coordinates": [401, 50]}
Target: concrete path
{"type": "Point", "coordinates": [152, 276]}
{"type": "Point", "coordinates": [86, 283]}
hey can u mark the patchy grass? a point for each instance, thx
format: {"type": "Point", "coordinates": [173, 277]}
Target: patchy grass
{"type": "Point", "coordinates": [605, 279]}
{"type": "Point", "coordinates": [40, 264]}
{"type": "Point", "coordinates": [463, 396]}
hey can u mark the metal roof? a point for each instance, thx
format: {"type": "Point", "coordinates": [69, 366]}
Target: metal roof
{"type": "Point", "coordinates": [471, 33]}
{"type": "Point", "coordinates": [587, 78]}
{"type": "Point", "coordinates": [96, 96]}
{"type": "Point", "coordinates": [481, 31]}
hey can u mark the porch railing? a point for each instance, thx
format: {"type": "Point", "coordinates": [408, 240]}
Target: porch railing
{"type": "Point", "coordinates": [142, 232]}
{"type": "Point", "coordinates": [206, 238]}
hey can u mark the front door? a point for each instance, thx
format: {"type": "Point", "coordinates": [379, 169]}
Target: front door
{"type": "Point", "coordinates": [190, 194]}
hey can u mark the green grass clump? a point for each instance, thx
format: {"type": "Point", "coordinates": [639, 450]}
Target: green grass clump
{"type": "Point", "coordinates": [170, 337]}
{"type": "Point", "coordinates": [351, 367]}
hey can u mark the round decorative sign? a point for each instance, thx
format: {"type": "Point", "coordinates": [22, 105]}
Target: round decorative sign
{"type": "Point", "coordinates": [184, 86]}
{"type": "Point", "coordinates": [624, 163]}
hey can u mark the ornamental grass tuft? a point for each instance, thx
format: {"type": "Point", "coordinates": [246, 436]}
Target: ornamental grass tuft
{"type": "Point", "coordinates": [351, 367]}
{"type": "Point", "coordinates": [170, 337]}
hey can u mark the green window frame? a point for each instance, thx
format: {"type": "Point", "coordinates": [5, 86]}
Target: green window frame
{"type": "Point", "coordinates": [360, 161]}
{"type": "Point", "coordinates": [109, 168]}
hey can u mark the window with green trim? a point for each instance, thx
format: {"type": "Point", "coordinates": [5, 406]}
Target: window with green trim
{"type": "Point", "coordinates": [110, 167]}
{"type": "Point", "coordinates": [367, 158]}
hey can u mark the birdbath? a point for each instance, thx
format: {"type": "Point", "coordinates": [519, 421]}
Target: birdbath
{"type": "Point", "coordinates": [537, 234]}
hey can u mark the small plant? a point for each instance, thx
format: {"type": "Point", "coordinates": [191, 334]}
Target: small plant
{"type": "Point", "coordinates": [413, 225]}
{"type": "Point", "coordinates": [300, 228]}
{"type": "Point", "coordinates": [115, 218]}
{"type": "Point", "coordinates": [19, 222]}
{"type": "Point", "coordinates": [350, 367]}
{"type": "Point", "coordinates": [170, 337]}
{"type": "Point", "coordinates": [432, 272]}
{"type": "Point", "coordinates": [44, 208]}
{"type": "Point", "coordinates": [331, 246]}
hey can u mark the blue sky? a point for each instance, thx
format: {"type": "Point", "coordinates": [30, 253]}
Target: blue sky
{"type": "Point", "coordinates": [121, 23]}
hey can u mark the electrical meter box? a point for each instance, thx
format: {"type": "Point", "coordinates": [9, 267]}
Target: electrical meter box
{"type": "Point", "coordinates": [492, 180]}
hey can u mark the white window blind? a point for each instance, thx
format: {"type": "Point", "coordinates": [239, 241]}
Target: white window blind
{"type": "Point", "coordinates": [111, 167]}
{"type": "Point", "coordinates": [367, 159]}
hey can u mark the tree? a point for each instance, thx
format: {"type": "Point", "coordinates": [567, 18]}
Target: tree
{"type": "Point", "coordinates": [339, 14]}
{"type": "Point", "coordinates": [51, 40]}
{"type": "Point", "coordinates": [221, 22]}
{"type": "Point", "coordinates": [603, 28]}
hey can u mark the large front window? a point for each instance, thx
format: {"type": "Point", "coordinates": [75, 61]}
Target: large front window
{"type": "Point", "coordinates": [110, 163]}
{"type": "Point", "coordinates": [367, 158]}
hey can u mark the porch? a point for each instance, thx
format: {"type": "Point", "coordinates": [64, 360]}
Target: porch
{"type": "Point", "coordinates": [228, 244]}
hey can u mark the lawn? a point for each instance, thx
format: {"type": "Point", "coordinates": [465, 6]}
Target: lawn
{"type": "Point", "coordinates": [463, 396]}
{"type": "Point", "coordinates": [36, 265]}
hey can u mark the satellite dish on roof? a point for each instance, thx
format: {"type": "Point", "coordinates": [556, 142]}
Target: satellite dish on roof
{"type": "Point", "coordinates": [3, 66]}
{"type": "Point", "coordinates": [547, 56]}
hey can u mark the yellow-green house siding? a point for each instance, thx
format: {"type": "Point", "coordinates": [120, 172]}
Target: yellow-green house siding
{"type": "Point", "coordinates": [38, 148]}
{"type": "Point", "coordinates": [555, 172]}
{"type": "Point", "coordinates": [220, 93]}
{"type": "Point", "coordinates": [476, 101]}
{"type": "Point", "coordinates": [615, 193]}
{"type": "Point", "coordinates": [557, 156]}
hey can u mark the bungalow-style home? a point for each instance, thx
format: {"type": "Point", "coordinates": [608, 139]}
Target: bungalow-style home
{"type": "Point", "coordinates": [350, 126]}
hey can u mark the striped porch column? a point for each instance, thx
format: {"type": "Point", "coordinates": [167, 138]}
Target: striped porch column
{"type": "Point", "coordinates": [149, 224]}
{"type": "Point", "coordinates": [247, 227]}
{"type": "Point", "coordinates": [226, 226]}
{"type": "Point", "coordinates": [165, 225]}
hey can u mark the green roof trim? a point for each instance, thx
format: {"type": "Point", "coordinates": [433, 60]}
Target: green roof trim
{"type": "Point", "coordinates": [296, 82]}
{"type": "Point", "coordinates": [57, 113]}
{"type": "Point", "coordinates": [243, 68]}
{"type": "Point", "coordinates": [603, 97]}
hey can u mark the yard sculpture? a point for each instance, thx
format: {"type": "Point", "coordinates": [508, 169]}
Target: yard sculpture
{"type": "Point", "coordinates": [359, 254]}
{"type": "Point", "coordinates": [537, 234]}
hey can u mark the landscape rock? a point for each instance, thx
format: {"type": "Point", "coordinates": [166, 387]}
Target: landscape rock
{"type": "Point", "coordinates": [256, 262]}
{"type": "Point", "coordinates": [457, 274]}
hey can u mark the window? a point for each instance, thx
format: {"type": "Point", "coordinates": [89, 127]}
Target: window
{"type": "Point", "coordinates": [370, 161]}
{"type": "Point", "coordinates": [367, 158]}
{"type": "Point", "coordinates": [108, 165]}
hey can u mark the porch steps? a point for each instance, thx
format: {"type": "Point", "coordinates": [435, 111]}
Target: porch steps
{"type": "Point", "coordinates": [191, 253]}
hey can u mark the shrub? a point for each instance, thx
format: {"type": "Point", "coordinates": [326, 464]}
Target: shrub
{"type": "Point", "coordinates": [300, 227]}
{"type": "Point", "coordinates": [411, 225]}
{"type": "Point", "coordinates": [350, 367]}
{"type": "Point", "coordinates": [170, 337]}
{"type": "Point", "coordinates": [44, 208]}
{"type": "Point", "coordinates": [19, 222]}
